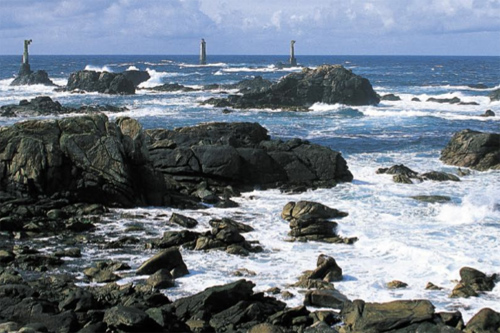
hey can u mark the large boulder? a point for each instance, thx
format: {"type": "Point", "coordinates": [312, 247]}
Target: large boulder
{"type": "Point", "coordinates": [83, 159]}
{"type": "Point", "coordinates": [359, 316]}
{"type": "Point", "coordinates": [169, 259]}
{"type": "Point", "coordinates": [472, 282]}
{"type": "Point", "coordinates": [472, 149]}
{"type": "Point", "coordinates": [136, 77]}
{"type": "Point", "coordinates": [103, 82]}
{"type": "Point", "coordinates": [486, 320]}
{"type": "Point", "coordinates": [243, 156]}
{"type": "Point", "coordinates": [331, 84]}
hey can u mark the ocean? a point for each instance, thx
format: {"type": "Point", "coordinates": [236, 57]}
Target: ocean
{"type": "Point", "coordinates": [399, 238]}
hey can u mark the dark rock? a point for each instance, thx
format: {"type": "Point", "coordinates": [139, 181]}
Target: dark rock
{"type": "Point", "coordinates": [136, 77]}
{"type": "Point", "coordinates": [225, 223]}
{"type": "Point", "coordinates": [247, 86]}
{"type": "Point", "coordinates": [359, 316]}
{"type": "Point", "coordinates": [488, 113]}
{"type": "Point", "coordinates": [486, 320]}
{"type": "Point", "coordinates": [475, 150]}
{"type": "Point", "coordinates": [30, 78]}
{"type": "Point", "coordinates": [213, 300]}
{"type": "Point", "coordinates": [439, 176]}
{"type": "Point", "coordinates": [103, 82]}
{"type": "Point", "coordinates": [183, 221]}
{"type": "Point", "coordinates": [454, 100]}
{"type": "Point", "coordinates": [398, 169]}
{"type": "Point", "coordinates": [415, 99]}
{"type": "Point", "coordinates": [171, 87]}
{"type": "Point", "coordinates": [326, 270]}
{"type": "Point", "coordinates": [432, 198]}
{"type": "Point", "coordinates": [495, 95]}
{"type": "Point", "coordinates": [468, 103]}
{"type": "Point", "coordinates": [472, 282]}
{"type": "Point", "coordinates": [170, 259]}
{"type": "Point", "coordinates": [309, 210]}
{"type": "Point", "coordinates": [161, 279]}
{"type": "Point", "coordinates": [452, 319]}
{"type": "Point", "coordinates": [130, 319]}
{"type": "Point", "coordinates": [432, 286]}
{"type": "Point", "coordinates": [390, 97]}
{"type": "Point", "coordinates": [329, 84]}
{"type": "Point", "coordinates": [402, 179]}
{"type": "Point", "coordinates": [176, 238]}
{"type": "Point", "coordinates": [329, 298]}
{"type": "Point", "coordinates": [84, 159]}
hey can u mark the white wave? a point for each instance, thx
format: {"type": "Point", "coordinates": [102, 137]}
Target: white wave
{"type": "Point", "coordinates": [458, 87]}
{"type": "Point", "coordinates": [132, 68]}
{"type": "Point", "coordinates": [321, 107]}
{"type": "Point", "coordinates": [217, 64]}
{"type": "Point", "coordinates": [104, 68]}
{"type": "Point", "coordinates": [158, 78]}
{"type": "Point", "coordinates": [270, 68]}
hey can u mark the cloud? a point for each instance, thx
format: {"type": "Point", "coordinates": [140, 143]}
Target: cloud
{"type": "Point", "coordinates": [257, 26]}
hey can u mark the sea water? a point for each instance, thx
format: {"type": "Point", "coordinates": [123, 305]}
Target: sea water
{"type": "Point", "coordinates": [399, 238]}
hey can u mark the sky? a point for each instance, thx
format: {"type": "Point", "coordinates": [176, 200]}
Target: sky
{"type": "Point", "coordinates": [320, 27]}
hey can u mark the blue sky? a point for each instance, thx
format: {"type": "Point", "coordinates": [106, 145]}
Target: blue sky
{"type": "Point", "coordinates": [391, 27]}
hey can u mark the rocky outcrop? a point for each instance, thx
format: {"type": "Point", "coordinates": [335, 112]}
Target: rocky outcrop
{"type": "Point", "coordinates": [204, 160]}
{"type": "Point", "coordinates": [488, 113]}
{"type": "Point", "coordinates": [80, 159]}
{"type": "Point", "coordinates": [44, 105]}
{"type": "Point", "coordinates": [405, 175]}
{"type": "Point", "coordinates": [472, 282]}
{"type": "Point", "coordinates": [472, 149]}
{"type": "Point", "coordinates": [329, 84]}
{"type": "Point", "coordinates": [169, 259]}
{"type": "Point", "coordinates": [486, 320]}
{"type": "Point", "coordinates": [310, 221]}
{"type": "Point", "coordinates": [390, 97]}
{"type": "Point", "coordinates": [136, 77]}
{"type": "Point", "coordinates": [172, 87]}
{"type": "Point", "coordinates": [247, 86]}
{"type": "Point", "coordinates": [102, 82]}
{"type": "Point", "coordinates": [27, 77]}
{"type": "Point", "coordinates": [454, 100]}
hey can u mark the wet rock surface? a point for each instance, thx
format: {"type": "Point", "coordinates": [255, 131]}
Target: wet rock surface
{"type": "Point", "coordinates": [329, 84]}
{"type": "Point", "coordinates": [472, 149]}
{"type": "Point", "coordinates": [102, 82]}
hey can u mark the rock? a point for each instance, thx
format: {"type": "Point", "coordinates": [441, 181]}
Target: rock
{"type": "Point", "coordinates": [432, 198]}
{"type": "Point", "coordinates": [136, 77]}
{"type": "Point", "coordinates": [454, 100]}
{"type": "Point", "coordinates": [266, 328]}
{"type": "Point", "coordinates": [128, 318]}
{"type": "Point", "coordinates": [171, 87]}
{"type": "Point", "coordinates": [309, 210]}
{"type": "Point", "coordinates": [452, 319]}
{"type": "Point", "coordinates": [495, 95]}
{"type": "Point", "coordinates": [183, 221]}
{"type": "Point", "coordinates": [359, 316]}
{"type": "Point", "coordinates": [161, 279]}
{"type": "Point", "coordinates": [243, 156]}
{"type": "Point", "coordinates": [415, 99]}
{"type": "Point", "coordinates": [326, 269]}
{"type": "Point", "coordinates": [472, 282]}
{"type": "Point", "coordinates": [30, 78]}
{"type": "Point", "coordinates": [486, 320]}
{"type": "Point", "coordinates": [82, 159]}
{"type": "Point", "coordinates": [396, 284]}
{"type": "Point", "coordinates": [329, 84]}
{"type": "Point", "coordinates": [247, 86]}
{"type": "Point", "coordinates": [439, 176]}
{"type": "Point", "coordinates": [213, 300]}
{"type": "Point", "coordinates": [398, 169]}
{"type": "Point", "coordinates": [308, 221]}
{"type": "Point", "coordinates": [402, 179]}
{"type": "Point", "coordinates": [472, 149]}
{"type": "Point", "coordinates": [176, 238]}
{"type": "Point", "coordinates": [390, 97]}
{"type": "Point", "coordinates": [225, 223]}
{"type": "Point", "coordinates": [329, 298]}
{"type": "Point", "coordinates": [102, 82]}
{"type": "Point", "coordinates": [169, 259]}
{"type": "Point", "coordinates": [488, 113]}
{"type": "Point", "coordinates": [432, 286]}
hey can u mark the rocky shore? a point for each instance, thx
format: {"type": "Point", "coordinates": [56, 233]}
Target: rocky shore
{"type": "Point", "coordinates": [60, 176]}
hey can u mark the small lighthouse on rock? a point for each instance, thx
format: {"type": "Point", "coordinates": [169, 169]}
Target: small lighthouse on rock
{"type": "Point", "coordinates": [203, 52]}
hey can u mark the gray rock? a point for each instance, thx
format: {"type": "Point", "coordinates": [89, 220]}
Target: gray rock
{"type": "Point", "coordinates": [169, 259]}
{"type": "Point", "coordinates": [103, 82]}
{"type": "Point", "coordinates": [472, 149]}
{"type": "Point", "coordinates": [183, 221]}
{"type": "Point", "coordinates": [329, 298]}
{"type": "Point", "coordinates": [161, 279]}
{"type": "Point", "coordinates": [485, 321]}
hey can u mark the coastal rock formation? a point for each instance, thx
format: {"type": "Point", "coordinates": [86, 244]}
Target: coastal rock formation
{"type": "Point", "coordinates": [204, 160]}
{"type": "Point", "coordinates": [472, 149]}
{"type": "Point", "coordinates": [326, 271]}
{"type": "Point", "coordinates": [247, 86]}
{"type": "Point", "coordinates": [310, 221]}
{"type": "Point", "coordinates": [136, 77]}
{"type": "Point", "coordinates": [488, 113]}
{"type": "Point", "coordinates": [403, 174]}
{"type": "Point", "coordinates": [473, 282]}
{"type": "Point", "coordinates": [80, 159]}
{"type": "Point", "coordinates": [44, 105]}
{"type": "Point", "coordinates": [102, 82]}
{"type": "Point", "coordinates": [30, 78]}
{"type": "Point", "coordinates": [329, 84]}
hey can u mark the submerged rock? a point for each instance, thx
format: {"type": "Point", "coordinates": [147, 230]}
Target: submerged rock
{"type": "Point", "coordinates": [329, 84]}
{"type": "Point", "coordinates": [472, 149]}
{"type": "Point", "coordinates": [488, 113]}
